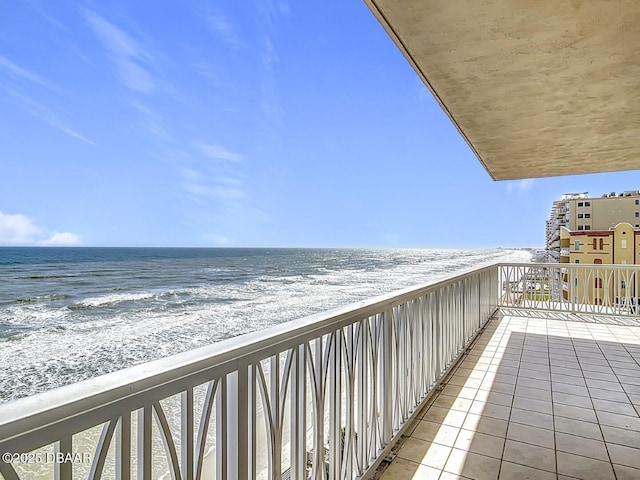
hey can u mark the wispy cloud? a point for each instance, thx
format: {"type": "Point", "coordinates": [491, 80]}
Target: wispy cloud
{"type": "Point", "coordinates": [520, 185]}
{"type": "Point", "coordinates": [132, 61]}
{"type": "Point", "coordinates": [271, 12]}
{"type": "Point", "coordinates": [224, 28]}
{"type": "Point", "coordinates": [218, 152]}
{"type": "Point", "coordinates": [22, 74]}
{"type": "Point", "coordinates": [45, 114]}
{"type": "Point", "coordinates": [18, 229]}
{"type": "Point", "coordinates": [220, 184]}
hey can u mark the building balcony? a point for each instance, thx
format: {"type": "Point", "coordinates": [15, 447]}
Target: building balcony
{"type": "Point", "coordinates": [487, 374]}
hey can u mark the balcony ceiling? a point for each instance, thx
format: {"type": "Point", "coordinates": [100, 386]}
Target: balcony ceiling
{"type": "Point", "coordinates": [537, 88]}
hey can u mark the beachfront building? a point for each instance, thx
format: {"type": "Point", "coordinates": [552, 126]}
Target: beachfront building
{"type": "Point", "coordinates": [580, 212]}
{"type": "Point", "coordinates": [617, 245]}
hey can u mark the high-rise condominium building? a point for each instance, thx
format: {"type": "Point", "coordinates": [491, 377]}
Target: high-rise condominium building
{"type": "Point", "coordinates": [577, 212]}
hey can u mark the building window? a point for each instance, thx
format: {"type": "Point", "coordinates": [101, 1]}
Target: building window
{"type": "Point", "coordinates": [597, 283]}
{"type": "Point", "coordinates": [587, 204]}
{"type": "Point", "coordinates": [623, 243]}
{"type": "Point", "coordinates": [576, 245]}
{"type": "Point", "coordinates": [637, 214]}
{"type": "Point", "coordinates": [577, 261]}
{"type": "Point", "coordinates": [587, 227]}
{"type": "Point", "coordinates": [601, 244]}
{"type": "Point", "coordinates": [637, 202]}
{"type": "Point", "coordinates": [575, 282]}
{"type": "Point", "coordinates": [597, 261]}
{"type": "Point", "coordinates": [580, 215]}
{"type": "Point", "coordinates": [587, 215]}
{"type": "Point", "coordinates": [580, 227]}
{"type": "Point", "coordinates": [623, 284]}
{"type": "Point", "coordinates": [580, 204]}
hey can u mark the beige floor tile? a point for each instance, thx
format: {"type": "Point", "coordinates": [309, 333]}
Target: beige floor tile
{"type": "Point", "coordinates": [629, 379]}
{"type": "Point", "coordinates": [533, 404]}
{"type": "Point", "coordinates": [426, 453]}
{"type": "Point", "coordinates": [512, 471]}
{"type": "Point", "coordinates": [436, 414]}
{"type": "Point", "coordinates": [607, 377]}
{"type": "Point", "coordinates": [626, 473]}
{"type": "Point", "coordinates": [498, 387]}
{"type": "Point", "coordinates": [614, 407]}
{"type": "Point", "coordinates": [611, 386]}
{"type": "Point", "coordinates": [581, 446]}
{"type": "Point", "coordinates": [412, 426]}
{"type": "Point", "coordinates": [446, 401]}
{"type": "Point", "coordinates": [535, 419]}
{"type": "Point", "coordinates": [451, 390]}
{"type": "Point", "coordinates": [435, 432]}
{"type": "Point", "coordinates": [505, 378]}
{"type": "Point", "coordinates": [490, 410]}
{"type": "Point", "coordinates": [623, 455]}
{"type": "Point", "coordinates": [620, 421]}
{"type": "Point", "coordinates": [481, 443]}
{"type": "Point", "coordinates": [533, 393]}
{"type": "Point", "coordinates": [452, 476]}
{"type": "Point", "coordinates": [484, 424]}
{"type": "Point", "coordinates": [574, 400]}
{"type": "Point", "coordinates": [530, 455]}
{"type": "Point", "coordinates": [568, 379]}
{"type": "Point", "coordinates": [529, 434]}
{"type": "Point", "coordinates": [540, 367]}
{"type": "Point", "coordinates": [472, 465]}
{"type": "Point", "coordinates": [578, 428]}
{"type": "Point", "coordinates": [559, 369]}
{"type": "Point", "coordinates": [495, 397]}
{"type": "Point", "coordinates": [608, 395]}
{"type": "Point", "coordinates": [401, 469]}
{"type": "Point", "coordinates": [621, 436]}
{"type": "Point", "coordinates": [534, 373]}
{"type": "Point", "coordinates": [571, 389]}
{"type": "Point", "coordinates": [533, 383]}
{"type": "Point", "coordinates": [583, 467]}
{"type": "Point", "coordinates": [577, 413]}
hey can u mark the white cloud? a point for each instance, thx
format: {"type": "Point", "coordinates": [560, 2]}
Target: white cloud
{"type": "Point", "coordinates": [217, 152]}
{"type": "Point", "coordinates": [17, 229]}
{"type": "Point", "coordinates": [223, 28]}
{"type": "Point", "coordinates": [130, 58]}
{"type": "Point", "coordinates": [20, 73]}
{"type": "Point", "coordinates": [64, 238]}
{"type": "Point", "coordinates": [519, 185]}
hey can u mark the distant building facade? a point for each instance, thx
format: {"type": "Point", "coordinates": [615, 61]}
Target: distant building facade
{"type": "Point", "coordinates": [577, 212]}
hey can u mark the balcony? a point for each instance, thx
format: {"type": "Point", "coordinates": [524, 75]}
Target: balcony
{"type": "Point", "coordinates": [488, 374]}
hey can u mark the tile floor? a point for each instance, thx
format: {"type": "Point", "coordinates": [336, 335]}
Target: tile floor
{"type": "Point", "coordinates": [537, 397]}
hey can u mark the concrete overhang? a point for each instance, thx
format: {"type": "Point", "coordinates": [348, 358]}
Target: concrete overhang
{"type": "Point", "coordinates": [537, 88]}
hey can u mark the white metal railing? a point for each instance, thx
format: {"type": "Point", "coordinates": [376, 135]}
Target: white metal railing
{"type": "Point", "coordinates": [325, 396]}
{"type": "Point", "coordinates": [599, 289]}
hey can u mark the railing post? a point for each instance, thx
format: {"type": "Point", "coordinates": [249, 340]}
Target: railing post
{"type": "Point", "coordinates": [63, 470]}
{"type": "Point", "coordinates": [387, 378]}
{"type": "Point", "coordinates": [186, 430]}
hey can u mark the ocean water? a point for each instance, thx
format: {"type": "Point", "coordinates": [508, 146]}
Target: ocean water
{"type": "Point", "coordinates": [67, 314]}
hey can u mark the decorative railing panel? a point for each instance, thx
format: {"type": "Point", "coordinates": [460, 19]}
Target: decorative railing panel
{"type": "Point", "coordinates": [576, 288]}
{"type": "Point", "coordinates": [321, 397]}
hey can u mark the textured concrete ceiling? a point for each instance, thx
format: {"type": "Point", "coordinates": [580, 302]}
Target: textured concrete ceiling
{"type": "Point", "coordinates": [537, 88]}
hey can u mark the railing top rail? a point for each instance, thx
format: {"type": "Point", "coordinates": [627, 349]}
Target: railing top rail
{"type": "Point", "coordinates": [612, 266]}
{"type": "Point", "coordinates": [97, 396]}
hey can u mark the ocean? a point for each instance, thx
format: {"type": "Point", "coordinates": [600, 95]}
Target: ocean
{"type": "Point", "coordinates": [68, 314]}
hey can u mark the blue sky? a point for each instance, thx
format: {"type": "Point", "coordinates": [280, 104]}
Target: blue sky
{"type": "Point", "coordinates": [254, 123]}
